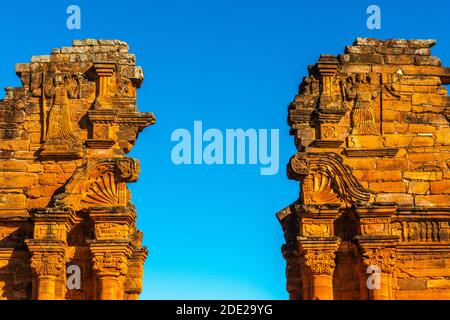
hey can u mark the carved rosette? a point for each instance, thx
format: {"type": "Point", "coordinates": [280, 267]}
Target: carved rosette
{"type": "Point", "coordinates": [48, 264]}
{"type": "Point", "coordinates": [110, 264]}
{"type": "Point", "coordinates": [383, 258]}
{"type": "Point", "coordinates": [320, 261]}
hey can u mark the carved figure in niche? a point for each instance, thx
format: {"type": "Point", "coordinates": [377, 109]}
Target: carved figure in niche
{"type": "Point", "coordinates": [357, 88]}
{"type": "Point", "coordinates": [59, 126]}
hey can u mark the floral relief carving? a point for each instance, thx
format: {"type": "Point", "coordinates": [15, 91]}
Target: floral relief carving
{"type": "Point", "coordinates": [48, 264]}
{"type": "Point", "coordinates": [385, 259]}
{"type": "Point", "coordinates": [108, 263]}
{"type": "Point", "coordinates": [320, 261]}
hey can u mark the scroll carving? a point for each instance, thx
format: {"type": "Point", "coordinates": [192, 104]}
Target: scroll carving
{"type": "Point", "coordinates": [328, 179]}
{"type": "Point", "coordinates": [100, 184]}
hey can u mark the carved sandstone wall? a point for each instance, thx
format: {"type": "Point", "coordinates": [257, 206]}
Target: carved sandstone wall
{"type": "Point", "coordinates": [64, 136]}
{"type": "Point", "coordinates": [372, 131]}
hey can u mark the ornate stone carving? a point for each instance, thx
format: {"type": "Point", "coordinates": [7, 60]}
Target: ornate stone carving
{"type": "Point", "coordinates": [383, 258]}
{"type": "Point", "coordinates": [112, 231]}
{"type": "Point", "coordinates": [358, 89]}
{"type": "Point", "coordinates": [300, 165]}
{"type": "Point", "coordinates": [317, 188]}
{"type": "Point", "coordinates": [50, 232]}
{"type": "Point", "coordinates": [48, 264]}
{"type": "Point", "coordinates": [64, 136]}
{"type": "Point", "coordinates": [328, 179]}
{"type": "Point", "coordinates": [108, 263]}
{"type": "Point", "coordinates": [316, 230]}
{"type": "Point", "coordinates": [320, 261]}
{"type": "Point", "coordinates": [100, 184]}
{"type": "Point", "coordinates": [371, 132]}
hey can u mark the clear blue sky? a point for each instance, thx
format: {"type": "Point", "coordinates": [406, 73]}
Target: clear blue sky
{"type": "Point", "coordinates": [211, 230]}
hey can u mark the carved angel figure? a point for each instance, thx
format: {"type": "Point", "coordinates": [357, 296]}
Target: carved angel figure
{"type": "Point", "coordinates": [357, 89]}
{"type": "Point", "coordinates": [59, 122]}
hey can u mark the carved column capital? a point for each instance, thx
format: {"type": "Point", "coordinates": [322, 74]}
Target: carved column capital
{"type": "Point", "coordinates": [320, 261]}
{"type": "Point", "coordinates": [383, 258]}
{"type": "Point", "coordinates": [109, 264]}
{"type": "Point", "coordinates": [48, 264]}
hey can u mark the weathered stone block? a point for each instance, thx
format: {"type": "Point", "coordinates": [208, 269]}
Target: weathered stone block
{"type": "Point", "coordinates": [12, 165]}
{"type": "Point", "coordinates": [438, 187]}
{"type": "Point", "coordinates": [438, 284]}
{"type": "Point", "coordinates": [424, 176]}
{"type": "Point", "coordinates": [399, 198]}
{"type": "Point", "coordinates": [433, 200]}
{"type": "Point", "coordinates": [412, 284]}
{"type": "Point", "coordinates": [394, 140]}
{"type": "Point", "coordinates": [392, 164]}
{"type": "Point", "coordinates": [12, 202]}
{"type": "Point", "coordinates": [15, 180]}
{"type": "Point", "coordinates": [398, 59]}
{"type": "Point", "coordinates": [387, 187]}
{"type": "Point", "coordinates": [422, 142]}
{"type": "Point", "coordinates": [418, 187]}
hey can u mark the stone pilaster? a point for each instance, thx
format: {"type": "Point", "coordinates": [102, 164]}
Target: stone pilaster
{"type": "Point", "coordinates": [318, 267]}
{"type": "Point", "coordinates": [110, 265]}
{"type": "Point", "coordinates": [133, 282]}
{"type": "Point", "coordinates": [377, 244]}
{"type": "Point", "coordinates": [111, 249]}
{"type": "Point", "coordinates": [49, 270]}
{"type": "Point", "coordinates": [48, 252]}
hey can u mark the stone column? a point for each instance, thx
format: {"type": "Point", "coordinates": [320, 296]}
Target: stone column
{"type": "Point", "coordinates": [110, 268]}
{"type": "Point", "coordinates": [383, 262]}
{"type": "Point", "coordinates": [48, 267]}
{"type": "Point", "coordinates": [377, 245]}
{"type": "Point", "coordinates": [318, 264]}
{"type": "Point", "coordinates": [111, 249]}
{"type": "Point", "coordinates": [48, 252]}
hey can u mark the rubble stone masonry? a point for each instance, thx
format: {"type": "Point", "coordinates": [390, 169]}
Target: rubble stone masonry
{"type": "Point", "coordinates": [372, 131]}
{"type": "Point", "coordinates": [64, 136]}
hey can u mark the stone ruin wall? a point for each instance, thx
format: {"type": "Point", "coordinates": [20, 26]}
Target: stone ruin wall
{"type": "Point", "coordinates": [64, 136]}
{"type": "Point", "coordinates": [372, 131]}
